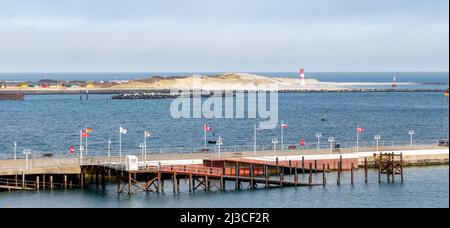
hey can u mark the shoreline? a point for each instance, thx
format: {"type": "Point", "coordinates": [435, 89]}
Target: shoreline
{"type": "Point", "coordinates": [144, 90]}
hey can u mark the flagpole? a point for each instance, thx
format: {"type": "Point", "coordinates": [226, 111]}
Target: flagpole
{"type": "Point", "coordinates": [145, 147]}
{"type": "Point", "coordinates": [120, 144]}
{"type": "Point", "coordinates": [282, 136]}
{"type": "Point", "coordinates": [205, 136]}
{"type": "Point", "coordinates": [357, 139]}
{"type": "Point", "coordinates": [81, 145]}
{"type": "Point", "coordinates": [86, 140]}
{"type": "Point", "coordinates": [254, 139]}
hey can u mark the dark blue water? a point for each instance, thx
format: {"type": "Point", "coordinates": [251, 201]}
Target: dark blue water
{"type": "Point", "coordinates": [51, 123]}
{"type": "Point", "coordinates": [423, 187]}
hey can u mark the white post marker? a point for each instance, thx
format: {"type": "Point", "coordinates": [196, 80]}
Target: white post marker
{"type": "Point", "coordinates": [331, 141]}
{"type": "Point", "coordinates": [15, 150]}
{"type": "Point", "coordinates": [274, 143]}
{"type": "Point", "coordinates": [121, 131]}
{"type": "Point", "coordinates": [411, 134]}
{"type": "Point", "coordinates": [27, 152]}
{"type": "Point", "coordinates": [318, 136]}
{"type": "Point", "coordinates": [377, 138]}
{"type": "Point", "coordinates": [147, 134]}
{"type": "Point", "coordinates": [219, 144]}
{"type": "Point", "coordinates": [109, 147]}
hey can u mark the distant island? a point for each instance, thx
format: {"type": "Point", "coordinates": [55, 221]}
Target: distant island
{"type": "Point", "coordinates": [223, 82]}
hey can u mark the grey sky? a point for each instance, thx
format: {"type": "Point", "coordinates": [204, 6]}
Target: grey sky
{"type": "Point", "coordinates": [218, 35]}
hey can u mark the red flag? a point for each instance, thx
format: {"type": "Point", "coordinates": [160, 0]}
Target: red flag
{"type": "Point", "coordinates": [361, 130]}
{"type": "Point", "coordinates": [85, 135]}
{"type": "Point", "coordinates": [302, 142]}
{"type": "Point", "coordinates": [285, 126]}
{"type": "Point", "coordinates": [207, 128]}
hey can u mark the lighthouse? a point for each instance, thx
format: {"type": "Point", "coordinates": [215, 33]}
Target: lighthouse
{"type": "Point", "coordinates": [302, 77]}
{"type": "Point", "coordinates": [394, 82]}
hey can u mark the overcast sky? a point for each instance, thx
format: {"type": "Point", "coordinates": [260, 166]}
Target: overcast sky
{"type": "Point", "coordinates": [223, 35]}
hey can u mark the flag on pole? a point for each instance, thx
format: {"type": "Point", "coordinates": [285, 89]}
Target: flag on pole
{"type": "Point", "coordinates": [147, 134]}
{"type": "Point", "coordinates": [361, 130]}
{"type": "Point", "coordinates": [85, 135]}
{"type": "Point", "coordinates": [207, 128]}
{"type": "Point", "coordinates": [89, 130]}
{"type": "Point", "coordinates": [284, 126]}
{"type": "Point", "coordinates": [123, 131]}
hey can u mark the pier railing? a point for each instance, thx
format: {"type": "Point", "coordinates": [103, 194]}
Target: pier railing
{"type": "Point", "coordinates": [273, 150]}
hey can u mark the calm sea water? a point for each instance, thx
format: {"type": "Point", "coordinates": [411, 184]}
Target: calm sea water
{"type": "Point", "coordinates": [51, 123]}
{"type": "Point", "coordinates": [423, 187]}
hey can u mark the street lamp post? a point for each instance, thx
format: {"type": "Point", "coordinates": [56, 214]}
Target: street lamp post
{"type": "Point", "coordinates": [274, 143]}
{"type": "Point", "coordinates": [109, 147]}
{"type": "Point", "coordinates": [15, 150]}
{"type": "Point", "coordinates": [219, 144]}
{"type": "Point", "coordinates": [318, 136]}
{"type": "Point", "coordinates": [377, 138]}
{"type": "Point", "coordinates": [331, 141]}
{"type": "Point", "coordinates": [411, 134]}
{"type": "Point", "coordinates": [27, 153]}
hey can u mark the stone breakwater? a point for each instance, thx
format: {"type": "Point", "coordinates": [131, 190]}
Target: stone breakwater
{"type": "Point", "coordinates": [12, 96]}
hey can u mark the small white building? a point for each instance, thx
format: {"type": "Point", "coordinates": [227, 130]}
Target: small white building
{"type": "Point", "coordinates": [132, 163]}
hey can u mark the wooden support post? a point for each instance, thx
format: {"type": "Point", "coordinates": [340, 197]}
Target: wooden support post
{"type": "Point", "coordinates": [324, 178]}
{"type": "Point", "coordinates": [310, 174]}
{"type": "Point", "coordinates": [129, 183]}
{"type": "Point", "coordinates": [51, 182]}
{"type": "Point", "coordinates": [315, 166]}
{"type": "Point", "coordinates": [266, 177]}
{"type": "Point", "coordinates": [341, 164]}
{"type": "Point", "coordinates": [339, 174]}
{"type": "Point", "coordinates": [159, 182]}
{"type": "Point", "coordinates": [237, 184]}
{"type": "Point", "coordinates": [190, 182]}
{"type": "Point", "coordinates": [178, 184]}
{"type": "Point", "coordinates": [37, 182]}
{"type": "Point", "coordinates": [208, 183]}
{"type": "Point", "coordinates": [118, 181]}
{"type": "Point", "coordinates": [393, 167]}
{"type": "Point", "coordinates": [296, 176]}
{"type": "Point", "coordinates": [23, 180]}
{"type": "Point", "coordinates": [82, 180]}
{"type": "Point", "coordinates": [281, 176]}
{"type": "Point", "coordinates": [43, 182]}
{"type": "Point", "coordinates": [174, 184]}
{"type": "Point", "coordinates": [104, 179]}
{"type": "Point", "coordinates": [97, 182]}
{"type": "Point", "coordinates": [65, 181]}
{"type": "Point", "coordinates": [276, 161]}
{"type": "Point", "coordinates": [222, 184]}
{"type": "Point", "coordinates": [401, 168]}
{"type": "Point", "coordinates": [290, 167]}
{"type": "Point", "coordinates": [366, 171]}
{"type": "Point", "coordinates": [224, 168]}
{"type": "Point", "coordinates": [252, 184]}
{"type": "Point", "coordinates": [379, 168]}
{"type": "Point", "coordinates": [303, 164]}
{"type": "Point", "coordinates": [352, 175]}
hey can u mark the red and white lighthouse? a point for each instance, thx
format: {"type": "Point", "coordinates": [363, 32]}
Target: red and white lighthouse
{"type": "Point", "coordinates": [302, 77]}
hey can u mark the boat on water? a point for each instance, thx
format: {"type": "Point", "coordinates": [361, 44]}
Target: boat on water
{"type": "Point", "coordinates": [12, 96]}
